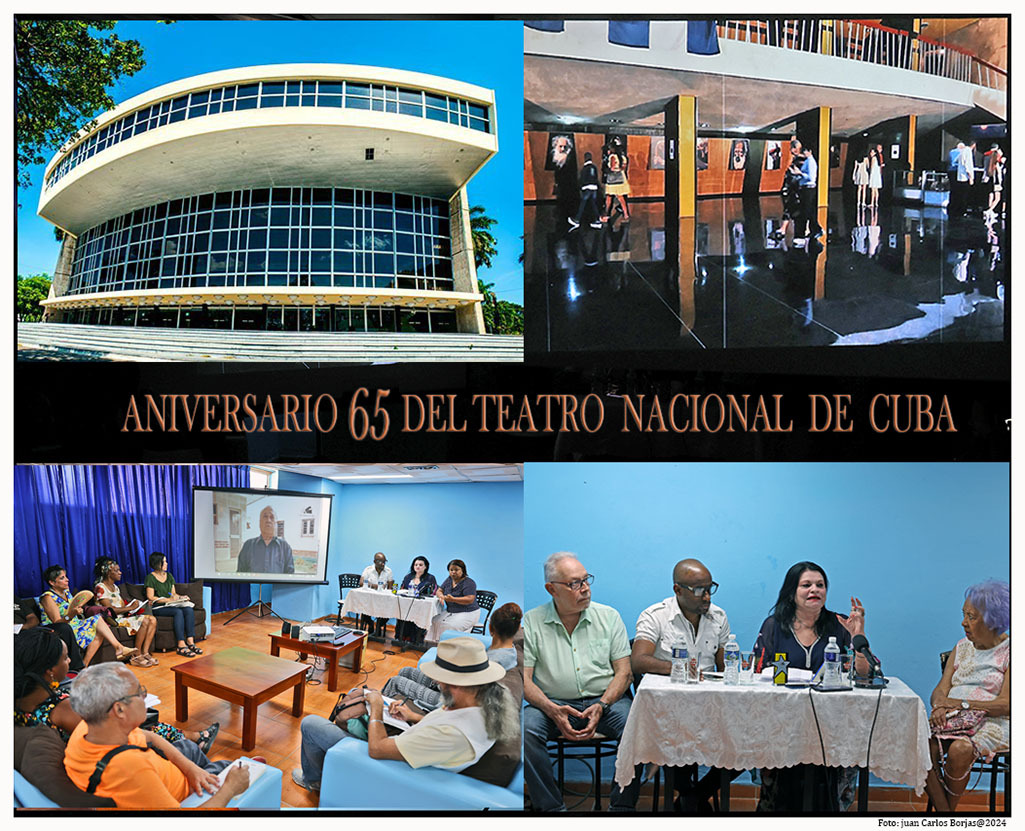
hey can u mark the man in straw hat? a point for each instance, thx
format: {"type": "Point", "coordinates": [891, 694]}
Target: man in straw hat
{"type": "Point", "coordinates": [477, 711]}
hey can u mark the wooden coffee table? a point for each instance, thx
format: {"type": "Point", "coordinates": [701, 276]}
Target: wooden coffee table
{"type": "Point", "coordinates": [353, 642]}
{"type": "Point", "coordinates": [240, 676]}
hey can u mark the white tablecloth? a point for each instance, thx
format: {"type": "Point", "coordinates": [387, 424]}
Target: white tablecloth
{"type": "Point", "coordinates": [417, 610]}
{"type": "Point", "coordinates": [764, 726]}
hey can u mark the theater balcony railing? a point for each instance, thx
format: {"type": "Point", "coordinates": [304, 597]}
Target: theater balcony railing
{"type": "Point", "coordinates": [867, 41]}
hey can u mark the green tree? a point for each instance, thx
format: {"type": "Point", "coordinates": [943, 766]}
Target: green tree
{"type": "Point", "coordinates": [485, 246]}
{"type": "Point", "coordinates": [31, 291]}
{"type": "Point", "coordinates": [500, 316]}
{"type": "Point", "coordinates": [62, 71]}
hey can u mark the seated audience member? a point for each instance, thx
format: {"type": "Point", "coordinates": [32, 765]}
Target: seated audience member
{"type": "Point", "coordinates": [691, 617]}
{"type": "Point", "coordinates": [112, 705]}
{"type": "Point", "coordinates": [107, 573]}
{"type": "Point", "coordinates": [477, 712]}
{"type": "Point", "coordinates": [374, 575]}
{"type": "Point", "coordinates": [40, 664]}
{"type": "Point", "coordinates": [562, 699]}
{"type": "Point", "coordinates": [413, 685]}
{"type": "Point", "coordinates": [459, 593]}
{"type": "Point", "coordinates": [159, 591]}
{"type": "Point", "coordinates": [423, 584]}
{"type": "Point", "coordinates": [971, 705]}
{"type": "Point", "coordinates": [800, 626]}
{"type": "Point", "coordinates": [89, 632]}
{"type": "Point", "coordinates": [28, 614]}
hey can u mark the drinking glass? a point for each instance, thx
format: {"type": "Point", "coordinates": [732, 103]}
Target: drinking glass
{"type": "Point", "coordinates": [747, 667]}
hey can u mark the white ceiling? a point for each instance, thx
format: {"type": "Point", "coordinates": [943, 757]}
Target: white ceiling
{"type": "Point", "coordinates": [409, 473]}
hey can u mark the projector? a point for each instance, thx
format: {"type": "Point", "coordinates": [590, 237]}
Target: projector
{"type": "Point", "coordinates": [317, 634]}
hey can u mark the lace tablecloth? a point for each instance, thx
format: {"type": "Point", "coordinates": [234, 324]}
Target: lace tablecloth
{"type": "Point", "coordinates": [764, 726]}
{"type": "Point", "coordinates": [418, 610]}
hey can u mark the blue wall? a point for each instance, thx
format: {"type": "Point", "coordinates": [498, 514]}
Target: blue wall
{"type": "Point", "coordinates": [479, 523]}
{"type": "Point", "coordinates": [905, 538]}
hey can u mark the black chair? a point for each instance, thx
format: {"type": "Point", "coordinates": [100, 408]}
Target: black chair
{"type": "Point", "coordinates": [486, 600]}
{"type": "Point", "coordinates": [1000, 764]}
{"type": "Point", "coordinates": [345, 581]}
{"type": "Point", "coordinates": [590, 751]}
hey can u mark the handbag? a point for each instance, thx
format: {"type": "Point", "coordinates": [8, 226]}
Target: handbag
{"type": "Point", "coordinates": [961, 723]}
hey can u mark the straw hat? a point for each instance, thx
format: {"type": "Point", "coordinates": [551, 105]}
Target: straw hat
{"type": "Point", "coordinates": [463, 662]}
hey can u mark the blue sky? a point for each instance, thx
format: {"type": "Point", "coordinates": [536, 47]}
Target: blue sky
{"type": "Point", "coordinates": [486, 53]}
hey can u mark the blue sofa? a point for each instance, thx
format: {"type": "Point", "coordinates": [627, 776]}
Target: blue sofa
{"type": "Point", "coordinates": [264, 794]}
{"type": "Point", "coordinates": [355, 782]}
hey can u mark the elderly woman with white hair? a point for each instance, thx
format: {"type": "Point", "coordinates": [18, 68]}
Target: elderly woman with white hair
{"type": "Point", "coordinates": [109, 755]}
{"type": "Point", "coordinates": [972, 703]}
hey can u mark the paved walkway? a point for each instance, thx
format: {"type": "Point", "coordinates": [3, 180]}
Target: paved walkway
{"type": "Point", "coordinates": [77, 342]}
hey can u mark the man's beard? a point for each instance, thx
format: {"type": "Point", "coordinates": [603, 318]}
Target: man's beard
{"type": "Point", "coordinates": [446, 697]}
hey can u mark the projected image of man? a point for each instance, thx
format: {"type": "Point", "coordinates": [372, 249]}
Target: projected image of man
{"type": "Point", "coordinates": [267, 553]}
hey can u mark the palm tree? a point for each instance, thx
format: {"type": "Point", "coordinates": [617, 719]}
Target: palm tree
{"type": "Point", "coordinates": [485, 246]}
{"type": "Point", "coordinates": [490, 303]}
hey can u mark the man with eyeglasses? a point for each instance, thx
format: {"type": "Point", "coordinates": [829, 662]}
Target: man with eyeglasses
{"type": "Point", "coordinates": [688, 616]}
{"type": "Point", "coordinates": [576, 667]}
{"type": "Point", "coordinates": [151, 773]}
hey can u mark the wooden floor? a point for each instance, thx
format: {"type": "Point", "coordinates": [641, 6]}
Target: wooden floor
{"type": "Point", "coordinates": [277, 732]}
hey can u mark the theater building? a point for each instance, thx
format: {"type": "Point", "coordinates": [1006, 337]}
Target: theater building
{"type": "Point", "coordinates": [295, 197]}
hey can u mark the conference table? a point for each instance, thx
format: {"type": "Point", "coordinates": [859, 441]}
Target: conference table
{"type": "Point", "coordinates": [419, 611]}
{"type": "Point", "coordinates": [760, 725]}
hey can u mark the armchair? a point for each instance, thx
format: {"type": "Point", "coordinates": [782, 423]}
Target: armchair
{"type": "Point", "coordinates": [353, 781]}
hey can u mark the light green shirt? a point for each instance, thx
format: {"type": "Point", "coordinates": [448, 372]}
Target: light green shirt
{"type": "Point", "coordinates": [579, 665]}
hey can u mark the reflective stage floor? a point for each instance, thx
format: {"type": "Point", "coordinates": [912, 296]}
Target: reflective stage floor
{"type": "Point", "coordinates": [901, 274]}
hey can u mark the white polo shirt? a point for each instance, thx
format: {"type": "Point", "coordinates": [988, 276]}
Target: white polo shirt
{"type": "Point", "coordinates": [663, 624]}
{"type": "Point", "coordinates": [370, 575]}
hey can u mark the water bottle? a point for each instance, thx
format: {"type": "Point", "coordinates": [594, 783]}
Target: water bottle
{"type": "Point", "coordinates": [678, 675]}
{"type": "Point", "coordinates": [850, 666]}
{"type": "Point", "coordinates": [831, 674]}
{"type": "Point", "coordinates": [731, 655]}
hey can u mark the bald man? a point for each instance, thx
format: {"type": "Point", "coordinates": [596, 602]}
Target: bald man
{"type": "Point", "coordinates": [689, 615]}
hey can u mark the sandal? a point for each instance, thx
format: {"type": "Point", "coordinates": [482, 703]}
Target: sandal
{"type": "Point", "coordinates": [194, 648]}
{"type": "Point", "coordinates": [139, 661]}
{"type": "Point", "coordinates": [184, 651]}
{"type": "Point", "coordinates": [152, 661]}
{"type": "Point", "coordinates": [206, 737]}
{"type": "Point", "coordinates": [125, 654]}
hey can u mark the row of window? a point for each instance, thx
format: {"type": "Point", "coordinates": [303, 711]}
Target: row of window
{"type": "Point", "coordinates": [191, 243]}
{"type": "Point", "coordinates": [209, 273]}
{"type": "Point", "coordinates": [264, 94]}
{"type": "Point", "coordinates": [273, 318]}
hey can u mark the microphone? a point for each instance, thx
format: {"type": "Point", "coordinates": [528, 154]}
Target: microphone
{"type": "Point", "coordinates": [875, 673]}
{"type": "Point", "coordinates": [860, 644]}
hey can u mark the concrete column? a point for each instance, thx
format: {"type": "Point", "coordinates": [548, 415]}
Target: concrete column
{"type": "Point", "coordinates": [464, 271]}
{"type": "Point", "coordinates": [61, 278]}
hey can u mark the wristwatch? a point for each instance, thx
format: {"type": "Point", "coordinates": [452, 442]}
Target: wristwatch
{"type": "Point", "coordinates": [964, 705]}
{"type": "Point", "coordinates": [604, 706]}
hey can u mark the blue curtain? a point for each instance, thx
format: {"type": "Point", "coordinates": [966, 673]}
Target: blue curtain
{"type": "Point", "coordinates": [545, 25]}
{"type": "Point", "coordinates": [702, 37]}
{"type": "Point", "coordinates": [68, 515]}
{"type": "Point", "coordinates": [629, 32]}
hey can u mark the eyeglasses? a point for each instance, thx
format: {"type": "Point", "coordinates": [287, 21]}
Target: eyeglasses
{"type": "Point", "coordinates": [140, 694]}
{"type": "Point", "coordinates": [700, 591]}
{"type": "Point", "coordinates": [575, 585]}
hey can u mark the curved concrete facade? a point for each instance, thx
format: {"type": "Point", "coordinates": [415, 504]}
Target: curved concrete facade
{"type": "Point", "coordinates": [389, 151]}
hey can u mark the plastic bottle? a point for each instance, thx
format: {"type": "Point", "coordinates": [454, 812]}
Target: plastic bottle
{"type": "Point", "coordinates": [678, 675]}
{"type": "Point", "coordinates": [731, 655]}
{"type": "Point", "coordinates": [831, 673]}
